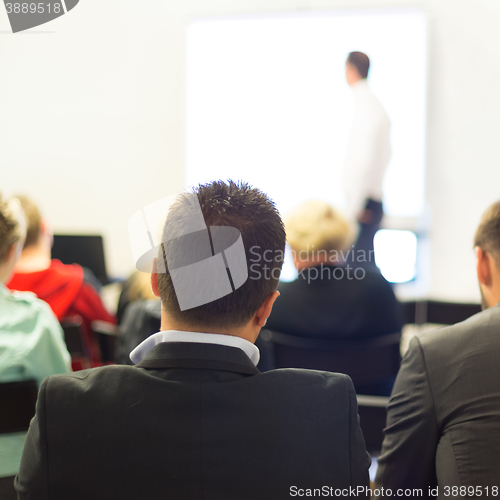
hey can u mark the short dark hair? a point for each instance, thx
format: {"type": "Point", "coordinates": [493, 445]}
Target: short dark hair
{"type": "Point", "coordinates": [249, 210]}
{"type": "Point", "coordinates": [488, 233]}
{"type": "Point", "coordinates": [361, 62]}
{"type": "Point", "coordinates": [33, 220]}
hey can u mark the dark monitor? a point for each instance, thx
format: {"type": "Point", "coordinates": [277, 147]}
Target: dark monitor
{"type": "Point", "coordinates": [88, 251]}
{"type": "Point", "coordinates": [18, 405]}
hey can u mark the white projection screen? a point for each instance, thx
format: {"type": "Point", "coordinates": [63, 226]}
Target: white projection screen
{"type": "Point", "coordinates": [267, 101]}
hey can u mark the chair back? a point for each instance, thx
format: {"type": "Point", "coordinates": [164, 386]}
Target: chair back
{"type": "Point", "coordinates": [372, 411]}
{"type": "Point", "coordinates": [17, 400]}
{"type": "Point", "coordinates": [442, 313]}
{"type": "Point", "coordinates": [449, 313]}
{"type": "Point", "coordinates": [366, 361]}
{"type": "Point", "coordinates": [75, 340]}
{"type": "Point", "coordinates": [107, 334]}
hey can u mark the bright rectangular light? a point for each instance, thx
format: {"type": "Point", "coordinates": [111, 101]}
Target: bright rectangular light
{"type": "Point", "coordinates": [396, 254]}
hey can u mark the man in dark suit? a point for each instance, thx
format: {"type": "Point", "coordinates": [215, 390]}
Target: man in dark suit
{"type": "Point", "coordinates": [443, 428]}
{"type": "Point", "coordinates": [194, 418]}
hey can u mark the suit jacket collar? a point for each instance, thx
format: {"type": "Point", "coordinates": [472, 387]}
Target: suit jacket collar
{"type": "Point", "coordinates": [200, 356]}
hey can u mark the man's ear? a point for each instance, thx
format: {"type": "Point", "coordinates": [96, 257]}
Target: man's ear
{"type": "Point", "coordinates": [13, 252]}
{"type": "Point", "coordinates": [265, 309]}
{"type": "Point", "coordinates": [154, 279]}
{"type": "Point", "coordinates": [483, 267]}
{"type": "Point", "coordinates": [46, 232]}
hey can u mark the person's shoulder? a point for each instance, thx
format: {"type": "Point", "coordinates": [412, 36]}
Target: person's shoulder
{"type": "Point", "coordinates": [375, 278]}
{"type": "Point", "coordinates": [22, 298]}
{"type": "Point", "coordinates": [374, 108]}
{"type": "Point", "coordinates": [95, 377]}
{"type": "Point", "coordinates": [302, 378]}
{"type": "Point", "coordinates": [374, 283]}
{"type": "Point", "coordinates": [29, 302]}
{"type": "Point", "coordinates": [317, 390]}
{"type": "Point", "coordinates": [88, 387]}
{"type": "Point", "coordinates": [480, 331]}
{"type": "Point", "coordinates": [66, 270]}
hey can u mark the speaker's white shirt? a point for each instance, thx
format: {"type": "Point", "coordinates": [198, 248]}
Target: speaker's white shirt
{"type": "Point", "coordinates": [368, 150]}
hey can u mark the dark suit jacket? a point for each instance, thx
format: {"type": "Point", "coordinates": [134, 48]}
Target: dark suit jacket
{"type": "Point", "coordinates": [192, 421]}
{"type": "Point", "coordinates": [339, 307]}
{"type": "Point", "coordinates": [443, 423]}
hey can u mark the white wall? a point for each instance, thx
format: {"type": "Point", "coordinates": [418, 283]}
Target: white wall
{"type": "Point", "coordinates": [92, 117]}
{"type": "Point", "coordinates": [463, 163]}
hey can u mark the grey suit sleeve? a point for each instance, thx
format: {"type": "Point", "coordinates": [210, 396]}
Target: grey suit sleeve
{"type": "Point", "coordinates": [31, 482]}
{"type": "Point", "coordinates": [359, 458]}
{"type": "Point", "coordinates": [412, 431]}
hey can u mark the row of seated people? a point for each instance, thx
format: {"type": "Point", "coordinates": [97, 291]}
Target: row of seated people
{"type": "Point", "coordinates": [36, 293]}
{"type": "Point", "coordinates": [32, 343]}
{"type": "Point", "coordinates": [442, 433]}
{"type": "Point", "coordinates": [70, 290]}
{"type": "Point", "coordinates": [441, 429]}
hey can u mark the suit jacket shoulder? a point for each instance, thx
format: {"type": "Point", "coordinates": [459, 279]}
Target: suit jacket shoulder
{"type": "Point", "coordinates": [444, 406]}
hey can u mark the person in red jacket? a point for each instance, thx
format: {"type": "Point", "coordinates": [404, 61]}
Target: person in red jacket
{"type": "Point", "coordinates": [62, 286]}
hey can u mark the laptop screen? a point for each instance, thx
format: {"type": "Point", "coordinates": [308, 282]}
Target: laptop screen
{"type": "Point", "coordinates": [88, 251]}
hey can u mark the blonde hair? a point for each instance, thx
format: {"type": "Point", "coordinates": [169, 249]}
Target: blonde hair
{"type": "Point", "coordinates": [140, 286]}
{"type": "Point", "coordinates": [316, 225]}
{"type": "Point", "coordinates": [12, 225]}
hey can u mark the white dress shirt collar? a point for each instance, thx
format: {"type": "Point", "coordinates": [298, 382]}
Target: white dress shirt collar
{"type": "Point", "coordinates": [361, 91]}
{"type": "Point", "coordinates": [140, 352]}
{"type": "Point", "coordinates": [360, 85]}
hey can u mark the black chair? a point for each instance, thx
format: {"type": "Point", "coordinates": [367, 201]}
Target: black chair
{"type": "Point", "coordinates": [75, 340]}
{"type": "Point", "coordinates": [368, 361]}
{"type": "Point", "coordinates": [77, 345]}
{"type": "Point", "coordinates": [449, 313]}
{"type": "Point", "coordinates": [414, 312]}
{"type": "Point", "coordinates": [18, 401]}
{"type": "Point", "coordinates": [372, 412]}
{"type": "Point", "coordinates": [441, 313]}
{"type": "Point", "coordinates": [106, 335]}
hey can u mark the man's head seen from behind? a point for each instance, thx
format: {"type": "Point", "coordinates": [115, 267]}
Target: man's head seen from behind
{"type": "Point", "coordinates": [254, 215]}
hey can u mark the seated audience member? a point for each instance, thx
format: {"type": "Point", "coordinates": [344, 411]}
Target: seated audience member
{"type": "Point", "coordinates": [331, 298]}
{"type": "Point", "coordinates": [62, 286]}
{"type": "Point", "coordinates": [137, 287]}
{"type": "Point", "coordinates": [194, 418]}
{"type": "Point", "coordinates": [443, 425]}
{"type": "Point", "coordinates": [141, 319]}
{"type": "Point", "coordinates": [31, 339]}
{"type": "Point", "coordinates": [138, 315]}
